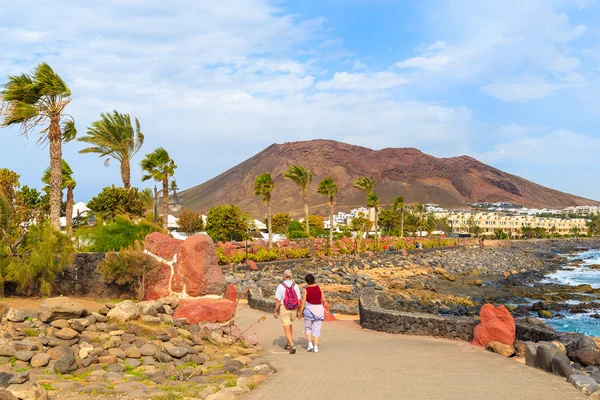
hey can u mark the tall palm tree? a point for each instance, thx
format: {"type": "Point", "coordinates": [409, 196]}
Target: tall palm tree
{"type": "Point", "coordinates": [263, 186]}
{"type": "Point", "coordinates": [69, 183]}
{"type": "Point", "coordinates": [328, 188]}
{"type": "Point", "coordinates": [420, 209]}
{"type": "Point", "coordinates": [113, 135]}
{"type": "Point", "coordinates": [159, 166]}
{"type": "Point", "coordinates": [399, 206]}
{"type": "Point", "coordinates": [367, 184]}
{"type": "Point", "coordinates": [303, 178]}
{"type": "Point", "coordinates": [38, 100]}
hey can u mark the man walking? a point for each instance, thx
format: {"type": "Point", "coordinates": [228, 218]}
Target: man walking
{"type": "Point", "coordinates": [287, 300]}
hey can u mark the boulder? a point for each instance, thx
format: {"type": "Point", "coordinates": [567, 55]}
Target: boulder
{"type": "Point", "coordinates": [585, 357]}
{"type": "Point", "coordinates": [197, 271]}
{"type": "Point", "coordinates": [162, 245]}
{"type": "Point", "coordinates": [584, 383]}
{"type": "Point", "coordinates": [6, 395]}
{"type": "Point", "coordinates": [16, 315]}
{"type": "Point", "coordinates": [496, 325]}
{"type": "Point", "coordinates": [230, 292]}
{"type": "Point", "coordinates": [561, 365]}
{"type": "Point", "coordinates": [501, 348]}
{"type": "Point", "coordinates": [66, 334]}
{"type": "Point", "coordinates": [577, 341]}
{"type": "Point", "coordinates": [544, 355]}
{"type": "Point", "coordinates": [205, 310]}
{"type": "Point", "coordinates": [9, 378]}
{"type": "Point", "coordinates": [59, 308]}
{"type": "Point", "coordinates": [28, 391]}
{"type": "Point", "coordinates": [157, 283]}
{"type": "Point", "coordinates": [124, 311]}
{"type": "Point", "coordinates": [252, 265]}
{"type": "Point", "coordinates": [249, 339]}
{"type": "Point", "coordinates": [40, 360]}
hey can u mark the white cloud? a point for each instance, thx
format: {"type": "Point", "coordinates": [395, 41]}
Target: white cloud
{"type": "Point", "coordinates": [495, 41]}
{"type": "Point", "coordinates": [435, 63]}
{"type": "Point", "coordinates": [556, 148]}
{"type": "Point", "coordinates": [375, 81]}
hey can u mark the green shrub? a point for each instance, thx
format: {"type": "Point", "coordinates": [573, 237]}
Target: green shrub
{"type": "Point", "coordinates": [130, 266]}
{"type": "Point", "coordinates": [113, 201]}
{"type": "Point", "coordinates": [116, 235]}
{"type": "Point", "coordinates": [263, 255]}
{"type": "Point", "coordinates": [291, 254]}
{"type": "Point", "coordinates": [42, 255]}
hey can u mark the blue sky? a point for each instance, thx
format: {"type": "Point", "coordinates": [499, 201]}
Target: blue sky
{"type": "Point", "coordinates": [513, 83]}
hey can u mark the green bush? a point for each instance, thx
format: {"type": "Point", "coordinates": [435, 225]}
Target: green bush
{"type": "Point", "coordinates": [130, 266]}
{"type": "Point", "coordinates": [116, 235]}
{"type": "Point", "coordinates": [113, 201]}
{"type": "Point", "coordinates": [263, 255]}
{"type": "Point", "coordinates": [42, 255]}
{"type": "Point", "coordinates": [292, 254]}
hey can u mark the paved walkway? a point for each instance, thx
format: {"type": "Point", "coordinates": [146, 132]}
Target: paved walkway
{"type": "Point", "coordinates": [355, 363]}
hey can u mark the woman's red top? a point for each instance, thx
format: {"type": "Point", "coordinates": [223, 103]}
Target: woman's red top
{"type": "Point", "coordinates": [313, 295]}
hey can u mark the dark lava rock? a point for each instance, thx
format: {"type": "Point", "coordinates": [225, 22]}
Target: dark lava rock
{"type": "Point", "coordinates": [585, 357]}
{"type": "Point", "coordinates": [561, 365]}
{"type": "Point", "coordinates": [544, 355]}
{"type": "Point", "coordinates": [577, 341]}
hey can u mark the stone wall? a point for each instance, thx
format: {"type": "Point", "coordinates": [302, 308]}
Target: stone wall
{"type": "Point", "coordinates": [372, 316]}
{"type": "Point", "coordinates": [83, 279]}
{"type": "Point", "coordinates": [534, 330]}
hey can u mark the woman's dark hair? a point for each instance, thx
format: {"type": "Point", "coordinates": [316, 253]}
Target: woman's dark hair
{"type": "Point", "coordinates": [310, 279]}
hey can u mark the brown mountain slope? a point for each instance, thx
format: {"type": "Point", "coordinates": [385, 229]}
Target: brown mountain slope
{"type": "Point", "coordinates": [450, 182]}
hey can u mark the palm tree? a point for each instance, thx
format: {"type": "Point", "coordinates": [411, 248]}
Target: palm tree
{"type": "Point", "coordinates": [39, 100]}
{"type": "Point", "coordinates": [420, 209]}
{"type": "Point", "coordinates": [301, 177]}
{"type": "Point", "coordinates": [399, 205]}
{"type": "Point", "coordinates": [328, 188]}
{"type": "Point", "coordinates": [114, 136]}
{"type": "Point", "coordinates": [160, 167]}
{"type": "Point", "coordinates": [67, 183]}
{"type": "Point", "coordinates": [367, 184]}
{"type": "Point", "coordinates": [263, 186]}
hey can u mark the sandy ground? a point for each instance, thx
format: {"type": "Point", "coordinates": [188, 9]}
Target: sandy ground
{"type": "Point", "coordinates": [31, 303]}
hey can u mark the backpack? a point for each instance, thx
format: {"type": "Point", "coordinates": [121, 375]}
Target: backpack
{"type": "Point", "coordinates": [290, 299]}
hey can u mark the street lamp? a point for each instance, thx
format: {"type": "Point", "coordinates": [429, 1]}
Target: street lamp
{"type": "Point", "coordinates": [91, 221]}
{"type": "Point", "coordinates": [174, 203]}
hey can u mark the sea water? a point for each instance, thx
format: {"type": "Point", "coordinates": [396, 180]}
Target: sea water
{"type": "Point", "coordinates": [579, 275]}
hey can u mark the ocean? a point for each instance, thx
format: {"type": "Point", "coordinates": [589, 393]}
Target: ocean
{"type": "Point", "coordinates": [579, 275]}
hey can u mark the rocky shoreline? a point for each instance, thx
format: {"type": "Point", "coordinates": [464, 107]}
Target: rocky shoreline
{"type": "Point", "coordinates": [449, 281]}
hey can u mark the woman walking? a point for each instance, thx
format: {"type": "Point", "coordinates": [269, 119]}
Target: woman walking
{"type": "Point", "coordinates": [313, 311]}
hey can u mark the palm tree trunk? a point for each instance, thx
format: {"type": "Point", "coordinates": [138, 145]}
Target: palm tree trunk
{"type": "Point", "coordinates": [402, 222]}
{"type": "Point", "coordinates": [330, 227]}
{"type": "Point", "coordinates": [306, 224]}
{"type": "Point", "coordinates": [55, 137]}
{"type": "Point", "coordinates": [269, 223]}
{"type": "Point", "coordinates": [69, 211]}
{"type": "Point", "coordinates": [126, 173]}
{"type": "Point", "coordinates": [165, 204]}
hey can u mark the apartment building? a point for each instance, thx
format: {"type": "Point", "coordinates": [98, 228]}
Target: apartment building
{"type": "Point", "coordinates": [489, 221]}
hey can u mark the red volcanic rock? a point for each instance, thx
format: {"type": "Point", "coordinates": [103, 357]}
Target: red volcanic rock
{"type": "Point", "coordinates": [157, 283]}
{"type": "Point", "coordinates": [328, 315]}
{"type": "Point", "coordinates": [162, 245]}
{"type": "Point", "coordinates": [206, 310]}
{"type": "Point", "coordinates": [197, 268]}
{"type": "Point", "coordinates": [230, 292]}
{"type": "Point", "coordinates": [497, 325]}
{"type": "Point", "coordinates": [252, 265]}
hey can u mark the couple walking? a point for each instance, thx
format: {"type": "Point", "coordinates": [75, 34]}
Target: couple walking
{"type": "Point", "coordinates": [308, 303]}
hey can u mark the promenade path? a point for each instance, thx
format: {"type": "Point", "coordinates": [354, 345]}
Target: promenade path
{"type": "Point", "coordinates": [355, 363]}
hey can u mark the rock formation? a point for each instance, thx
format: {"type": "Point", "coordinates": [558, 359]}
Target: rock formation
{"type": "Point", "coordinates": [188, 270]}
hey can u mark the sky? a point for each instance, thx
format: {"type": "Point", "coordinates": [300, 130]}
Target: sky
{"type": "Point", "coordinates": [512, 83]}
